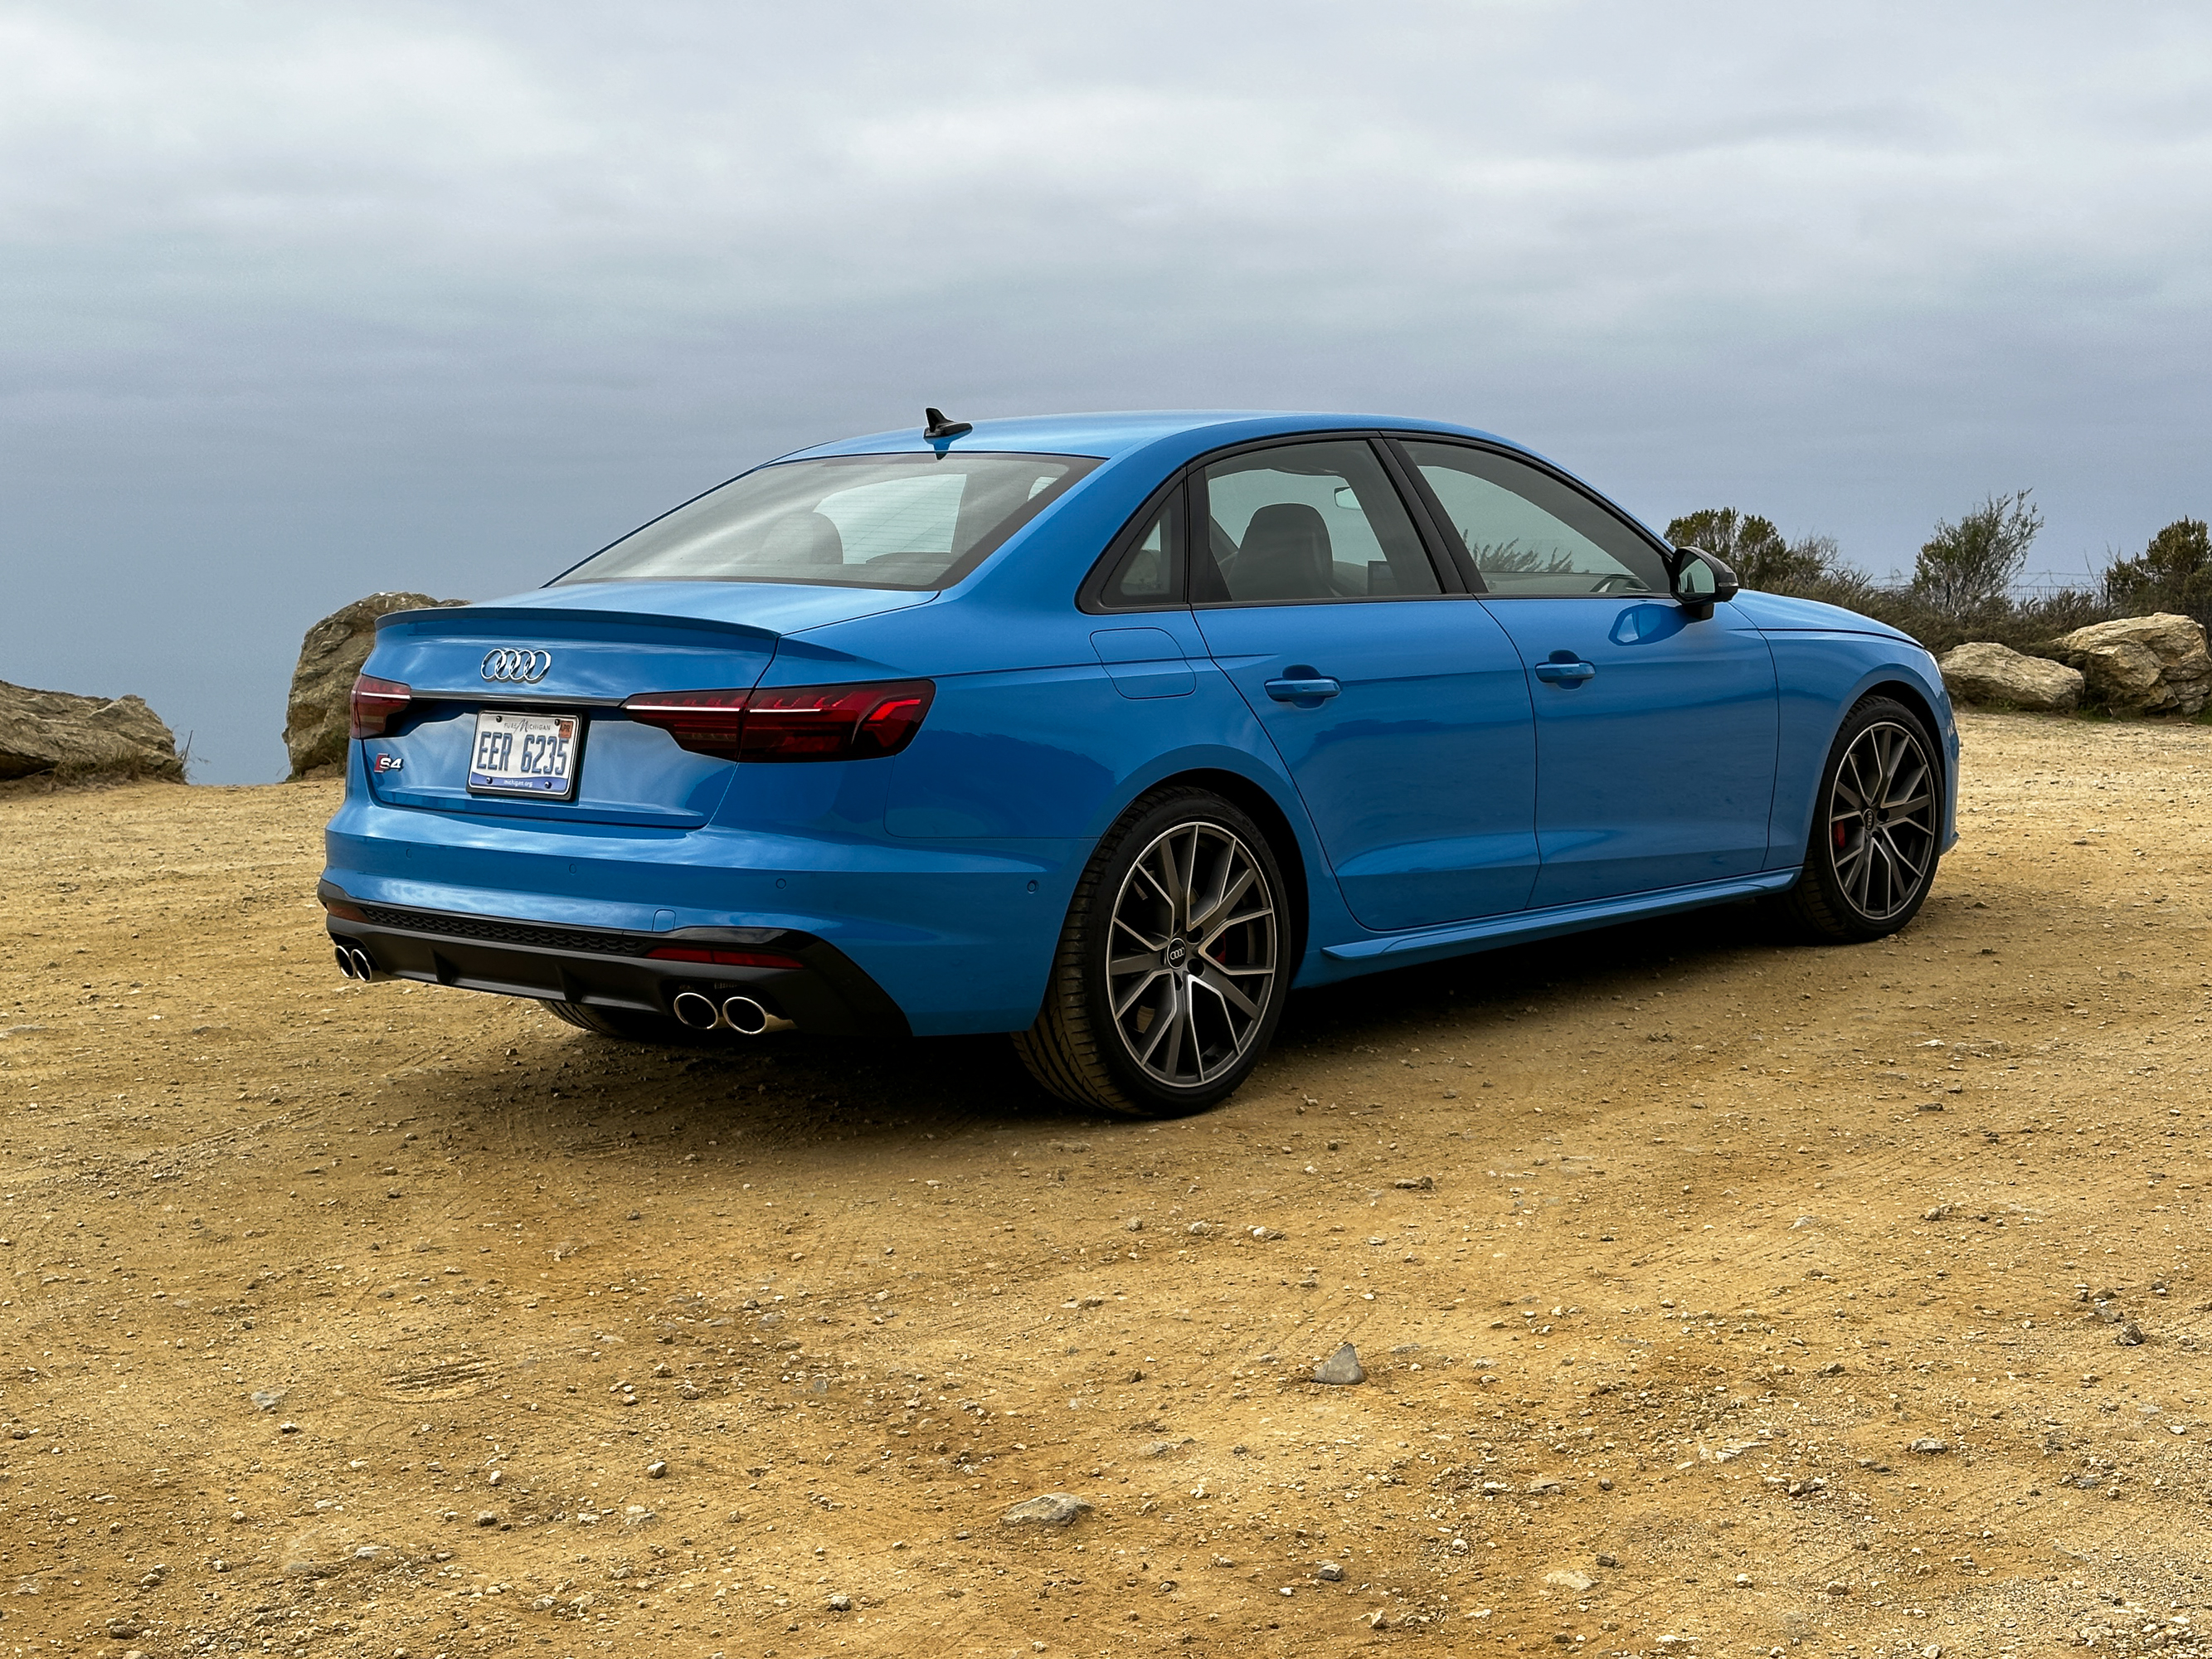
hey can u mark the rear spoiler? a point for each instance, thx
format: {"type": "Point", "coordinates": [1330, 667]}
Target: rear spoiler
{"type": "Point", "coordinates": [614, 627]}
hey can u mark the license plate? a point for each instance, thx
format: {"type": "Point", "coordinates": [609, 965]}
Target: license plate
{"type": "Point", "coordinates": [525, 755]}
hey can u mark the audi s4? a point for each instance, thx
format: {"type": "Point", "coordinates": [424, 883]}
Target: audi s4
{"type": "Point", "coordinates": [1108, 731]}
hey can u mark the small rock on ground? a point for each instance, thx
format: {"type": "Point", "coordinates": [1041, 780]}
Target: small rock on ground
{"type": "Point", "coordinates": [1568, 1578]}
{"type": "Point", "coordinates": [1052, 1508]}
{"type": "Point", "coordinates": [1341, 1367]}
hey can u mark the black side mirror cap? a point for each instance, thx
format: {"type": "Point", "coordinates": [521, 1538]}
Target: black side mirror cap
{"type": "Point", "coordinates": [1699, 581]}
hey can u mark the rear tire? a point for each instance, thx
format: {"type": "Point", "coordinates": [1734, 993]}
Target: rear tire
{"type": "Point", "coordinates": [1173, 964]}
{"type": "Point", "coordinates": [623, 1024]}
{"type": "Point", "coordinates": [1877, 829]}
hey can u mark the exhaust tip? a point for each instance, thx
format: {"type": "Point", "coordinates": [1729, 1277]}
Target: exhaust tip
{"type": "Point", "coordinates": [345, 962]}
{"type": "Point", "coordinates": [695, 1011]}
{"type": "Point", "coordinates": [364, 967]}
{"type": "Point", "coordinates": [749, 1018]}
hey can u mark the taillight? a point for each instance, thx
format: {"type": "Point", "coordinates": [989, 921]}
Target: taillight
{"type": "Point", "coordinates": [723, 958]}
{"type": "Point", "coordinates": [790, 722]}
{"type": "Point", "coordinates": [376, 704]}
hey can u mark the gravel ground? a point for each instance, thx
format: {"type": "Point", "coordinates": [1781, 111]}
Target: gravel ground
{"type": "Point", "coordinates": [346, 1320]}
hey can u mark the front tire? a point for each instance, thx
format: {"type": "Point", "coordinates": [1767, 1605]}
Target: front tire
{"type": "Point", "coordinates": [1877, 827]}
{"type": "Point", "coordinates": [1173, 965]}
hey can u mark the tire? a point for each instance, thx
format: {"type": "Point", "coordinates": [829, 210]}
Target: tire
{"type": "Point", "coordinates": [1197, 1004]}
{"type": "Point", "coordinates": [623, 1024]}
{"type": "Point", "coordinates": [1865, 880]}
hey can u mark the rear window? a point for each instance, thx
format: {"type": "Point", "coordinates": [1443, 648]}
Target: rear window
{"type": "Point", "coordinates": [904, 522]}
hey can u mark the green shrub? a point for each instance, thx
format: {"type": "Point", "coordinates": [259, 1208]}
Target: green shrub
{"type": "Point", "coordinates": [2174, 574]}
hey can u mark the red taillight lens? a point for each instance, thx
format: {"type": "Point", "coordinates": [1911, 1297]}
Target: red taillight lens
{"type": "Point", "coordinates": [723, 958]}
{"type": "Point", "coordinates": [376, 704]}
{"type": "Point", "coordinates": [791, 722]}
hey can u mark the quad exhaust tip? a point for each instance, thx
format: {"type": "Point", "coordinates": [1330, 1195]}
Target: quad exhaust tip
{"type": "Point", "coordinates": [740, 1014]}
{"type": "Point", "coordinates": [354, 964]}
{"type": "Point", "coordinates": [749, 1018]}
{"type": "Point", "coordinates": [696, 1012]}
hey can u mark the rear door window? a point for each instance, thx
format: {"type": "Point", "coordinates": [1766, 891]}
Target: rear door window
{"type": "Point", "coordinates": [1305, 522]}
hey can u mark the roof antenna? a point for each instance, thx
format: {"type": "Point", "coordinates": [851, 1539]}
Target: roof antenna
{"type": "Point", "coordinates": [938, 426]}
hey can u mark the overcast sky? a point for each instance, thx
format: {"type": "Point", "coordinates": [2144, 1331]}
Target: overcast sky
{"type": "Point", "coordinates": [301, 302]}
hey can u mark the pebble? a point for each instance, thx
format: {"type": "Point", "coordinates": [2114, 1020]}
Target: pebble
{"type": "Point", "coordinates": [1051, 1508]}
{"type": "Point", "coordinates": [1135, 1223]}
{"type": "Point", "coordinates": [1198, 1229]}
{"type": "Point", "coordinates": [288, 1428]}
{"type": "Point", "coordinates": [1330, 1572]}
{"type": "Point", "coordinates": [267, 1399]}
{"type": "Point", "coordinates": [1929, 1447]}
{"type": "Point", "coordinates": [1341, 1367]}
{"type": "Point", "coordinates": [1609, 1560]}
{"type": "Point", "coordinates": [495, 1478]}
{"type": "Point", "coordinates": [2128, 1335]}
{"type": "Point", "coordinates": [1569, 1578]}
{"type": "Point", "coordinates": [487, 1517]}
{"type": "Point", "coordinates": [840, 1603]}
{"type": "Point", "coordinates": [1416, 1184]}
{"type": "Point", "coordinates": [654, 1471]}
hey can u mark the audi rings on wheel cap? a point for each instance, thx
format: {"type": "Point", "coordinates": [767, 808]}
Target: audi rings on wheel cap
{"type": "Point", "coordinates": [516, 666]}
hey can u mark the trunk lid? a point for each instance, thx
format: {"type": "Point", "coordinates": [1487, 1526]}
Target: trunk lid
{"type": "Point", "coordinates": [579, 651]}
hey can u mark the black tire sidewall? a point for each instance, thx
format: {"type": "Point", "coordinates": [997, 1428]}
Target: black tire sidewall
{"type": "Point", "coordinates": [1145, 1092]}
{"type": "Point", "coordinates": [1819, 849]}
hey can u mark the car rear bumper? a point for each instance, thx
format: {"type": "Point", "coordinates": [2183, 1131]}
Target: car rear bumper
{"type": "Point", "coordinates": [610, 968]}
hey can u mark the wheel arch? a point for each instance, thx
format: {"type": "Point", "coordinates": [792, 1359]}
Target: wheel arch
{"type": "Point", "coordinates": [1904, 691]}
{"type": "Point", "coordinates": [1282, 837]}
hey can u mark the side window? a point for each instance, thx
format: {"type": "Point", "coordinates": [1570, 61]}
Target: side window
{"type": "Point", "coordinates": [1529, 535]}
{"type": "Point", "coordinates": [1149, 574]}
{"type": "Point", "coordinates": [1317, 520]}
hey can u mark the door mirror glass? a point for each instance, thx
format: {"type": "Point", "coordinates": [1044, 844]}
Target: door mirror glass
{"type": "Point", "coordinates": [1699, 582]}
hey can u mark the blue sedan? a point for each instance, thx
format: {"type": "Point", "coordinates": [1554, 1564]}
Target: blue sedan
{"type": "Point", "coordinates": [1108, 731]}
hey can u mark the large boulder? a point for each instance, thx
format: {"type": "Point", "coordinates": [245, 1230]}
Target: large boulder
{"type": "Point", "coordinates": [1983, 671]}
{"type": "Point", "coordinates": [72, 739]}
{"type": "Point", "coordinates": [318, 713]}
{"type": "Point", "coordinates": [2155, 665]}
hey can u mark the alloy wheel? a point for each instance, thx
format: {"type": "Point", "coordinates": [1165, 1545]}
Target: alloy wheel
{"type": "Point", "coordinates": [1881, 821]}
{"type": "Point", "coordinates": [1191, 961]}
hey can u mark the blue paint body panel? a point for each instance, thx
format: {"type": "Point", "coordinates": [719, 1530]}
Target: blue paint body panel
{"type": "Point", "coordinates": [1450, 800]}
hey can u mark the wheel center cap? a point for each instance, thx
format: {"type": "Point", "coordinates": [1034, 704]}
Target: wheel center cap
{"type": "Point", "coordinates": [1177, 953]}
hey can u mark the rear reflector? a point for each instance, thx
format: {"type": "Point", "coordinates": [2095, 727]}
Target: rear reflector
{"type": "Point", "coordinates": [723, 958]}
{"type": "Point", "coordinates": [790, 722]}
{"type": "Point", "coordinates": [376, 704]}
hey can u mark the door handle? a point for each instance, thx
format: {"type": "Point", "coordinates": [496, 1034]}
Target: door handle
{"type": "Point", "coordinates": [1306, 692]}
{"type": "Point", "coordinates": [1566, 669]}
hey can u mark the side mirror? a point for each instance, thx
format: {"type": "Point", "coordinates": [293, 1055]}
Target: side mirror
{"type": "Point", "coordinates": [1699, 582]}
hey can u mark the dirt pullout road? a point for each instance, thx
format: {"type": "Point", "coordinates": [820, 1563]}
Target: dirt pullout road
{"type": "Point", "coordinates": [1755, 1296]}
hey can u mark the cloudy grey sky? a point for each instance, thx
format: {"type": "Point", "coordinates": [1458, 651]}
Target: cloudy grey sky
{"type": "Point", "coordinates": [298, 302]}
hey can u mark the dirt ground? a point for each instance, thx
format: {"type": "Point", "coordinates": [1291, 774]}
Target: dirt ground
{"type": "Point", "coordinates": [349, 1320]}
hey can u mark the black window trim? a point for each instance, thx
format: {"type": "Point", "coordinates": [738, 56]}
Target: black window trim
{"type": "Point", "coordinates": [1436, 519]}
{"type": "Point", "coordinates": [1090, 597]}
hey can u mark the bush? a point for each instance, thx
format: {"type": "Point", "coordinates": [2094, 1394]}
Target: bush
{"type": "Point", "coordinates": [2174, 574]}
{"type": "Point", "coordinates": [1965, 570]}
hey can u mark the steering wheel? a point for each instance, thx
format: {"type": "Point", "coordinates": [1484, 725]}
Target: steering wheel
{"type": "Point", "coordinates": [1627, 584]}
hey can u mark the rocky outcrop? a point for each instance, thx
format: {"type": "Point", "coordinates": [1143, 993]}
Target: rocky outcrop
{"type": "Point", "coordinates": [1985, 672]}
{"type": "Point", "coordinates": [2153, 664]}
{"type": "Point", "coordinates": [318, 714]}
{"type": "Point", "coordinates": [72, 739]}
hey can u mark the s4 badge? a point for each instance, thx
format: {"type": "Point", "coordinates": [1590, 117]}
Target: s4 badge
{"type": "Point", "coordinates": [389, 763]}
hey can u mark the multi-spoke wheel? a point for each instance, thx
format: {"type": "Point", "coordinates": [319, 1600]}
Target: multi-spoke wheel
{"type": "Point", "coordinates": [1172, 967]}
{"type": "Point", "coordinates": [1877, 827]}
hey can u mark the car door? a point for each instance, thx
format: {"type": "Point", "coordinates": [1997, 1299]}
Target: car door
{"type": "Point", "coordinates": [1657, 730]}
{"type": "Point", "coordinates": [1401, 711]}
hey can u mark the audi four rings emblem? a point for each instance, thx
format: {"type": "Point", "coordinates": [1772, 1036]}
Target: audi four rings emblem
{"type": "Point", "coordinates": [519, 667]}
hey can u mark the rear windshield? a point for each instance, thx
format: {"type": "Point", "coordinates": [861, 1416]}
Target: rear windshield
{"type": "Point", "coordinates": [849, 520]}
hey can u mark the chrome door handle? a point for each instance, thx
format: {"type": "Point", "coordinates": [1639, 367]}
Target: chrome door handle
{"type": "Point", "coordinates": [1305, 691]}
{"type": "Point", "coordinates": [1565, 669]}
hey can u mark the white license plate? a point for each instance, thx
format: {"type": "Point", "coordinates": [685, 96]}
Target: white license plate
{"type": "Point", "coordinates": [525, 755]}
